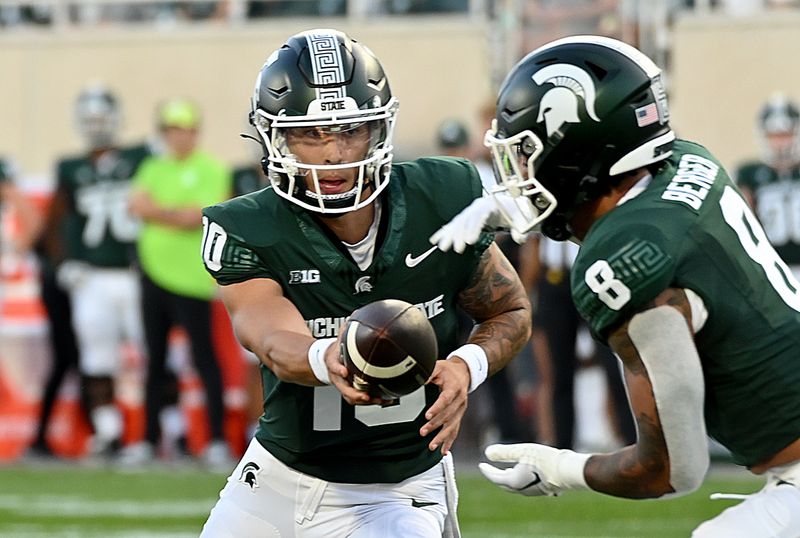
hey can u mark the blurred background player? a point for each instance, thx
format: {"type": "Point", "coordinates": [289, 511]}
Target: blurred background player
{"type": "Point", "coordinates": [453, 139]}
{"type": "Point", "coordinates": [169, 192]}
{"type": "Point", "coordinates": [89, 237]}
{"type": "Point", "coordinates": [772, 185]}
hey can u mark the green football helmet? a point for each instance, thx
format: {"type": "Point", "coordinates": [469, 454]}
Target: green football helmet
{"type": "Point", "coordinates": [571, 116]}
{"type": "Point", "coordinates": [98, 116]}
{"type": "Point", "coordinates": [323, 78]}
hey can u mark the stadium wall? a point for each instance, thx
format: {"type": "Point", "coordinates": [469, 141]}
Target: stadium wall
{"type": "Point", "coordinates": [437, 68]}
{"type": "Point", "coordinates": [722, 71]}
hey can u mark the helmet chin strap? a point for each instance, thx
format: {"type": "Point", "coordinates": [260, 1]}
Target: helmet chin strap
{"type": "Point", "coordinates": [338, 202]}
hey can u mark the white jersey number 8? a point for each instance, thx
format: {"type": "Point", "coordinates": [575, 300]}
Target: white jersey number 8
{"type": "Point", "coordinates": [751, 235]}
{"type": "Point", "coordinates": [612, 291]}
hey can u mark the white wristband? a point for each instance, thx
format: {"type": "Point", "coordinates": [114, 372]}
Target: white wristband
{"type": "Point", "coordinates": [316, 359]}
{"type": "Point", "coordinates": [476, 360]}
{"type": "Point", "coordinates": [569, 467]}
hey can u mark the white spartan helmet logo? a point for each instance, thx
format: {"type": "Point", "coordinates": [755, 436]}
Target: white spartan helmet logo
{"type": "Point", "coordinates": [363, 285]}
{"type": "Point", "coordinates": [560, 104]}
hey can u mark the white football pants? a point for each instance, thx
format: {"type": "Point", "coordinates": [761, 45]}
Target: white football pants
{"type": "Point", "coordinates": [106, 311]}
{"type": "Point", "coordinates": [263, 498]}
{"type": "Point", "coordinates": [773, 512]}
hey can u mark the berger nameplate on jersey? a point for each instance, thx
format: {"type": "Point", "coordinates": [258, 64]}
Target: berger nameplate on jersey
{"type": "Point", "coordinates": [692, 182]}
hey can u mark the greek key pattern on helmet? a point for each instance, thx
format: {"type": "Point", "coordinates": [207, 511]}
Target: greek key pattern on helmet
{"type": "Point", "coordinates": [326, 62]}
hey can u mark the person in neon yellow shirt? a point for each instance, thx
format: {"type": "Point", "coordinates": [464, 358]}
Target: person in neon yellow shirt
{"type": "Point", "coordinates": [169, 192]}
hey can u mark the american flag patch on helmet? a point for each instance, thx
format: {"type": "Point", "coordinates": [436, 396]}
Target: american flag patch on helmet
{"type": "Point", "coordinates": [646, 115]}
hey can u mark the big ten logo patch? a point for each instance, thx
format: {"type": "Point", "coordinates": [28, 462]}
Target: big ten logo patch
{"type": "Point", "coordinates": [304, 276]}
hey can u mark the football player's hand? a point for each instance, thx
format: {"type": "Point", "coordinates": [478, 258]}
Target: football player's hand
{"type": "Point", "coordinates": [488, 213]}
{"type": "Point", "coordinates": [339, 376]}
{"type": "Point", "coordinates": [70, 274]}
{"type": "Point", "coordinates": [539, 470]}
{"type": "Point", "coordinates": [452, 378]}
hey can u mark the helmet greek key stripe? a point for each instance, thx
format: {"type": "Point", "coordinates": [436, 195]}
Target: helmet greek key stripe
{"type": "Point", "coordinates": [326, 61]}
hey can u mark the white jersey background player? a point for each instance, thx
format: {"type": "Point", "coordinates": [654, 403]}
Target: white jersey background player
{"type": "Point", "coordinates": [91, 232]}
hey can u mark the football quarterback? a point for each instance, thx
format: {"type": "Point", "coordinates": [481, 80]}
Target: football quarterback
{"type": "Point", "coordinates": [674, 272]}
{"type": "Point", "coordinates": [341, 226]}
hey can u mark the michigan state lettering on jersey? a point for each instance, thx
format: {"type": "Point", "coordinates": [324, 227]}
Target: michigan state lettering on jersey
{"type": "Point", "coordinates": [99, 229]}
{"type": "Point", "coordinates": [691, 228]}
{"type": "Point", "coordinates": [777, 205]}
{"type": "Point", "coordinates": [263, 236]}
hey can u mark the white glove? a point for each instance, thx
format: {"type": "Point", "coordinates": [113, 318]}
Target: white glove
{"type": "Point", "coordinates": [71, 273]}
{"type": "Point", "coordinates": [492, 212]}
{"type": "Point", "coordinates": [539, 469]}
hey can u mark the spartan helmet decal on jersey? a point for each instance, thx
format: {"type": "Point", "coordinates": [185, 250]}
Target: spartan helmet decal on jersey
{"type": "Point", "coordinates": [570, 116]}
{"type": "Point", "coordinates": [779, 132]}
{"type": "Point", "coordinates": [324, 80]}
{"type": "Point", "coordinates": [97, 116]}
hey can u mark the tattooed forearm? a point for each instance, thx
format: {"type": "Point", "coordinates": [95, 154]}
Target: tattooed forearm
{"type": "Point", "coordinates": [641, 470]}
{"type": "Point", "coordinates": [497, 300]}
{"type": "Point", "coordinates": [638, 471]}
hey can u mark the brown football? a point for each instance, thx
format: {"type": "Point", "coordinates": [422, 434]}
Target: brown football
{"type": "Point", "coordinates": [390, 348]}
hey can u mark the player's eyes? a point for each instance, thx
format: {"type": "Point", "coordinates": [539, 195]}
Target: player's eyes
{"type": "Point", "coordinates": [299, 133]}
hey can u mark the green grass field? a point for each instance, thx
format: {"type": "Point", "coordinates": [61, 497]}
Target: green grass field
{"type": "Point", "coordinates": [70, 501]}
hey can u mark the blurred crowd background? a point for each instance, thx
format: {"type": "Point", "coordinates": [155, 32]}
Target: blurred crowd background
{"type": "Point", "coordinates": [723, 61]}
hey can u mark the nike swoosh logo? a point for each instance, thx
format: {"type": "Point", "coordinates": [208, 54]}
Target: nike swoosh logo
{"type": "Point", "coordinates": [412, 261]}
{"type": "Point", "coordinates": [533, 482]}
{"type": "Point", "coordinates": [421, 504]}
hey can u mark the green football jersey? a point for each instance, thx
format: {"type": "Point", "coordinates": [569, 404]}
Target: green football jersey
{"type": "Point", "coordinates": [261, 235]}
{"type": "Point", "coordinates": [691, 228]}
{"type": "Point", "coordinates": [777, 204]}
{"type": "Point", "coordinates": [98, 228]}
